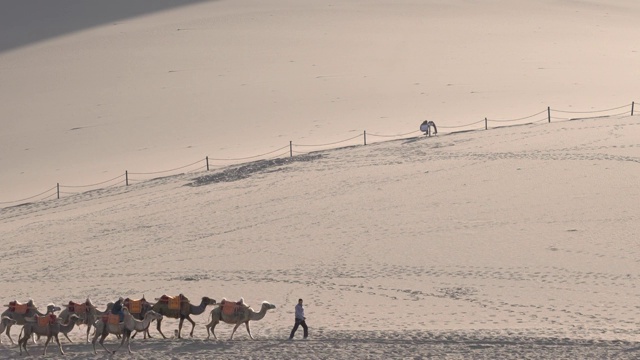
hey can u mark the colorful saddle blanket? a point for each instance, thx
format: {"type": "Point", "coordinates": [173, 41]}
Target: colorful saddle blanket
{"type": "Point", "coordinates": [231, 308]}
{"type": "Point", "coordinates": [18, 308]}
{"type": "Point", "coordinates": [113, 319]}
{"type": "Point", "coordinates": [134, 306]}
{"type": "Point", "coordinates": [46, 319]}
{"type": "Point", "coordinates": [77, 308]}
{"type": "Point", "coordinates": [173, 302]}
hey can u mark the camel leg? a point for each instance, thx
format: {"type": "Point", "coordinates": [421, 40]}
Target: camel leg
{"type": "Point", "coordinates": [121, 343]}
{"type": "Point", "coordinates": [180, 328]}
{"type": "Point", "coordinates": [22, 342]}
{"type": "Point", "coordinates": [9, 334]}
{"type": "Point", "coordinates": [88, 330]}
{"type": "Point", "coordinates": [212, 325]}
{"type": "Point", "coordinates": [104, 336]}
{"type": "Point", "coordinates": [95, 337]}
{"type": "Point", "coordinates": [46, 343]}
{"type": "Point", "coordinates": [193, 325]}
{"type": "Point", "coordinates": [213, 331]}
{"type": "Point", "coordinates": [59, 345]}
{"type": "Point", "coordinates": [147, 334]}
{"type": "Point", "coordinates": [208, 326]}
{"type": "Point", "coordinates": [234, 330]}
{"type": "Point", "coordinates": [67, 336]}
{"type": "Point", "coordinates": [128, 336]}
{"type": "Point", "coordinates": [249, 331]}
{"type": "Point", "coordinates": [158, 327]}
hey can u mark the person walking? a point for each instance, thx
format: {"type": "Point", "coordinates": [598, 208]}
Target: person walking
{"type": "Point", "coordinates": [300, 320]}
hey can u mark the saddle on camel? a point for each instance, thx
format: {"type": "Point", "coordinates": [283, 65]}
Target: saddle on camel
{"type": "Point", "coordinates": [232, 308]}
{"type": "Point", "coordinates": [19, 308]}
{"type": "Point", "coordinates": [135, 305]}
{"type": "Point", "coordinates": [79, 308]}
{"type": "Point", "coordinates": [113, 319]}
{"type": "Point", "coordinates": [45, 320]}
{"type": "Point", "coordinates": [174, 302]}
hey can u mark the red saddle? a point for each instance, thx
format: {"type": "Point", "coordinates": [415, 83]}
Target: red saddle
{"type": "Point", "coordinates": [78, 308]}
{"type": "Point", "coordinates": [18, 308]}
{"type": "Point", "coordinates": [231, 307]}
{"type": "Point", "coordinates": [113, 319]}
{"type": "Point", "coordinates": [134, 306]}
{"type": "Point", "coordinates": [46, 319]}
{"type": "Point", "coordinates": [173, 302]}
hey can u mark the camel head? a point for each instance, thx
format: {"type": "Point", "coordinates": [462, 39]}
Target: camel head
{"type": "Point", "coordinates": [153, 315]}
{"type": "Point", "coordinates": [208, 301]}
{"type": "Point", "coordinates": [268, 305]}
{"type": "Point", "coordinates": [51, 308]}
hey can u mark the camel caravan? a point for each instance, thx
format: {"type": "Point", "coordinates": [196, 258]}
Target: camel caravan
{"type": "Point", "coordinates": [136, 315]}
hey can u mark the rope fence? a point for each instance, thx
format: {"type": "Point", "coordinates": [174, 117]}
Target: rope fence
{"type": "Point", "coordinates": [206, 165]}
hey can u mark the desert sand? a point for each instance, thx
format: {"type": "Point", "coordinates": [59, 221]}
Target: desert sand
{"type": "Point", "coordinates": [518, 241]}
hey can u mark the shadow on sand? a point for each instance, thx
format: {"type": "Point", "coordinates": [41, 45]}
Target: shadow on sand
{"type": "Point", "coordinates": [26, 22]}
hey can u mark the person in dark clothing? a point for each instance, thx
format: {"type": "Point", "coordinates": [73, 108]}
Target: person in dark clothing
{"type": "Point", "coordinates": [117, 308]}
{"type": "Point", "coordinates": [300, 320]}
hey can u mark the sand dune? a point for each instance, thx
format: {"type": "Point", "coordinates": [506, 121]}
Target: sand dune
{"type": "Point", "coordinates": [230, 79]}
{"type": "Point", "coordinates": [509, 242]}
{"type": "Point", "coordinates": [513, 242]}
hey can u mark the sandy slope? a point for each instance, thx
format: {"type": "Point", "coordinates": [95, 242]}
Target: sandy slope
{"type": "Point", "coordinates": [513, 242]}
{"type": "Point", "coordinates": [134, 88]}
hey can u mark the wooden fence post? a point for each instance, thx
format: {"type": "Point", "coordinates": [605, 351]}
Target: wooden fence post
{"type": "Point", "coordinates": [632, 104]}
{"type": "Point", "coordinates": [549, 113]}
{"type": "Point", "coordinates": [207, 158]}
{"type": "Point", "coordinates": [126, 177]}
{"type": "Point", "coordinates": [58, 187]}
{"type": "Point", "coordinates": [365, 134]}
{"type": "Point", "coordinates": [486, 127]}
{"type": "Point", "coordinates": [290, 148]}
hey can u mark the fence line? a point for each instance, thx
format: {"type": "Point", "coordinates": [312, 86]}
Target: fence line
{"type": "Point", "coordinates": [328, 144]}
{"type": "Point", "coordinates": [55, 191]}
{"type": "Point", "coordinates": [519, 119]}
{"type": "Point", "coordinates": [166, 171]}
{"type": "Point", "coordinates": [460, 126]}
{"type": "Point", "coordinates": [590, 112]}
{"type": "Point", "coordinates": [398, 135]}
{"type": "Point", "coordinates": [250, 157]}
{"type": "Point", "coordinates": [91, 185]}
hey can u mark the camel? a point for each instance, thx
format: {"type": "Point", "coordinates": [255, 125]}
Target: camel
{"type": "Point", "coordinates": [3, 324]}
{"type": "Point", "coordinates": [138, 308]}
{"type": "Point", "coordinates": [87, 312]}
{"type": "Point", "coordinates": [19, 312]}
{"type": "Point", "coordinates": [124, 328]}
{"type": "Point", "coordinates": [236, 313]}
{"type": "Point", "coordinates": [51, 327]}
{"type": "Point", "coordinates": [184, 312]}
